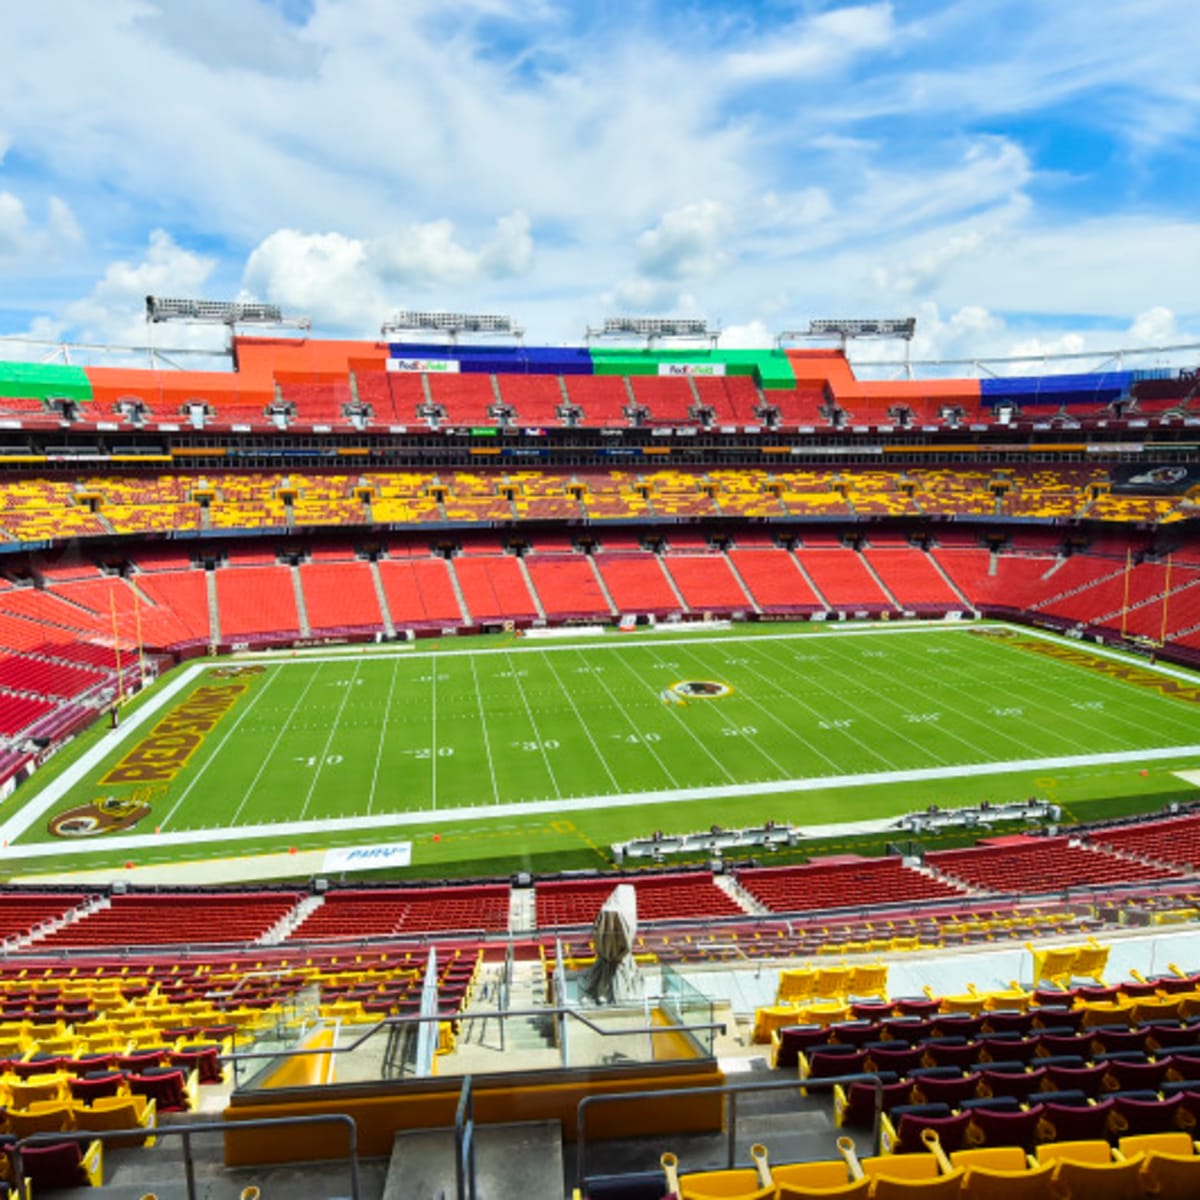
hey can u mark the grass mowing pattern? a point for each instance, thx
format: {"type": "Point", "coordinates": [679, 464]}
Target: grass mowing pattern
{"type": "Point", "coordinates": [426, 732]}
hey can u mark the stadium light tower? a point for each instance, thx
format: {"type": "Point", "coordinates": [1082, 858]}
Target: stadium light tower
{"type": "Point", "coordinates": [883, 328]}
{"type": "Point", "coordinates": [409, 322]}
{"type": "Point", "coordinates": [656, 329]}
{"type": "Point", "coordinates": [902, 328]}
{"type": "Point", "coordinates": [160, 309]}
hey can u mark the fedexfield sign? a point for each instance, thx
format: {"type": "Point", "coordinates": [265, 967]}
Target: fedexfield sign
{"type": "Point", "coordinates": [368, 858]}
{"type": "Point", "coordinates": [701, 369]}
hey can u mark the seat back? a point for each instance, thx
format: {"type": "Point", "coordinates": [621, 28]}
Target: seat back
{"type": "Point", "coordinates": [1171, 1176]}
{"type": "Point", "coordinates": [1034, 1183]}
{"type": "Point", "coordinates": [942, 1187]}
{"type": "Point", "coordinates": [806, 1179]}
{"type": "Point", "coordinates": [1091, 1150]}
{"type": "Point", "coordinates": [1099, 1181]}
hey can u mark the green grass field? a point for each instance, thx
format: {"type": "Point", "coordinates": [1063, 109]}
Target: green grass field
{"type": "Point", "coordinates": [490, 755]}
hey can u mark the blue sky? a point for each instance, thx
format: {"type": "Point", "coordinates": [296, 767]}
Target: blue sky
{"type": "Point", "coordinates": [1019, 175]}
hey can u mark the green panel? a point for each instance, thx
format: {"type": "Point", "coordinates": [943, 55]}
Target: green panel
{"type": "Point", "coordinates": [36, 381]}
{"type": "Point", "coordinates": [769, 367]}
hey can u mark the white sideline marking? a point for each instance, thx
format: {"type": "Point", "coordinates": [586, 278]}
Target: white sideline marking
{"type": "Point", "coordinates": [45, 800]}
{"type": "Point", "coordinates": [580, 803]}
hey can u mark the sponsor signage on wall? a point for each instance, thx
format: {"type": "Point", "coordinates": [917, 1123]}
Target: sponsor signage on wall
{"type": "Point", "coordinates": [368, 858]}
{"type": "Point", "coordinates": [444, 366]}
{"type": "Point", "coordinates": [704, 369]}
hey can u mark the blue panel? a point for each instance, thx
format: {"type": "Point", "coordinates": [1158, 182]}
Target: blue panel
{"type": "Point", "coordinates": [421, 350]}
{"type": "Point", "coordinates": [560, 360]}
{"type": "Point", "coordinates": [502, 360]}
{"type": "Point", "coordinates": [1026, 390]}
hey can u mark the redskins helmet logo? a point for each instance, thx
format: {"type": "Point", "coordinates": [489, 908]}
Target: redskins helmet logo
{"type": "Point", "coordinates": [112, 814]}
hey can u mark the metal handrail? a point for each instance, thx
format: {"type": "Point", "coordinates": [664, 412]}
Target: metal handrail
{"type": "Point", "coordinates": [732, 1090]}
{"type": "Point", "coordinates": [464, 1142]}
{"type": "Point", "coordinates": [185, 1132]}
{"type": "Point", "coordinates": [558, 1011]}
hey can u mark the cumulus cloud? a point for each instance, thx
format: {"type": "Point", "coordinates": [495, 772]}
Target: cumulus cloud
{"type": "Point", "coordinates": [426, 255]}
{"type": "Point", "coordinates": [23, 240]}
{"type": "Point", "coordinates": [114, 310]}
{"type": "Point", "coordinates": [688, 243]}
{"type": "Point", "coordinates": [754, 335]}
{"type": "Point", "coordinates": [346, 281]}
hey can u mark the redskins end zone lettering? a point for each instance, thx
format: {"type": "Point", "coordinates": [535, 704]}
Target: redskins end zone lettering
{"type": "Point", "coordinates": [1115, 669]}
{"type": "Point", "coordinates": [165, 752]}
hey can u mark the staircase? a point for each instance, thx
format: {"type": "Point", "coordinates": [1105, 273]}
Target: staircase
{"type": "Point", "coordinates": [662, 564]}
{"type": "Point", "coordinates": [45, 928]}
{"type": "Point", "coordinates": [537, 600]}
{"type": "Point", "coordinates": [381, 597]}
{"type": "Point", "coordinates": [883, 587]}
{"type": "Point", "coordinates": [1083, 587]}
{"type": "Point", "coordinates": [612, 608]}
{"type": "Point", "coordinates": [214, 609]}
{"type": "Point", "coordinates": [738, 894]}
{"type": "Point", "coordinates": [522, 910]}
{"type": "Point", "coordinates": [527, 989]}
{"type": "Point", "coordinates": [741, 582]}
{"type": "Point", "coordinates": [937, 566]}
{"type": "Point", "coordinates": [458, 593]}
{"type": "Point", "coordinates": [816, 591]}
{"type": "Point", "coordinates": [301, 606]}
{"type": "Point", "coordinates": [290, 922]}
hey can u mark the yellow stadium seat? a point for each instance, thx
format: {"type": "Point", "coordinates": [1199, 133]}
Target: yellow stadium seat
{"type": "Point", "coordinates": [1171, 1167]}
{"type": "Point", "coordinates": [51, 1086]}
{"type": "Point", "coordinates": [799, 1181]}
{"type": "Point", "coordinates": [1092, 1151]}
{"type": "Point", "coordinates": [53, 1116]}
{"type": "Point", "coordinates": [1099, 1181]}
{"type": "Point", "coordinates": [121, 1112]}
{"type": "Point", "coordinates": [795, 986]}
{"type": "Point", "coordinates": [1003, 1173]}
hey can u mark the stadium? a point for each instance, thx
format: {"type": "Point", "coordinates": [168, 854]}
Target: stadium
{"type": "Point", "coordinates": [458, 753]}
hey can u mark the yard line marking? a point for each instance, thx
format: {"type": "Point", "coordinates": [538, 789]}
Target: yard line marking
{"type": "Point", "coordinates": [275, 744]}
{"type": "Point", "coordinates": [632, 723]}
{"type": "Point", "coordinates": [219, 747]}
{"type": "Point", "coordinates": [487, 743]}
{"type": "Point", "coordinates": [433, 745]}
{"type": "Point", "coordinates": [329, 740]}
{"type": "Point", "coordinates": [1056, 696]}
{"type": "Point", "coordinates": [537, 733]}
{"type": "Point", "coordinates": [943, 731]}
{"type": "Point", "coordinates": [682, 724]}
{"type": "Point", "coordinates": [804, 704]}
{"type": "Point", "coordinates": [578, 716]}
{"type": "Point", "coordinates": [527, 808]}
{"type": "Point", "coordinates": [729, 723]}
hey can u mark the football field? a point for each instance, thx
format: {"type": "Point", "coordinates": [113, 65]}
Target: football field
{"type": "Point", "coordinates": [581, 742]}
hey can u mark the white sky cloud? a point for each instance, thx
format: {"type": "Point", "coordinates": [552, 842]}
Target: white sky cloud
{"type": "Point", "coordinates": [539, 158]}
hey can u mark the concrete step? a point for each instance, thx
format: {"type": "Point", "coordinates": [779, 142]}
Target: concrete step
{"type": "Point", "coordinates": [301, 605]}
{"type": "Point", "coordinates": [214, 608]}
{"type": "Point", "coordinates": [381, 599]}
{"type": "Point", "coordinates": [517, 1161]}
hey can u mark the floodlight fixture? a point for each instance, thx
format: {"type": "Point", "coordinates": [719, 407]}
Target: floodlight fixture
{"type": "Point", "coordinates": [900, 328]}
{"type": "Point", "coordinates": [219, 312]}
{"type": "Point", "coordinates": [654, 329]}
{"type": "Point", "coordinates": [450, 324]}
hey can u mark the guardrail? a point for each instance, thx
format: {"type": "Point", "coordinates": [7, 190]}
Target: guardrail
{"type": "Point", "coordinates": [730, 1090]}
{"type": "Point", "coordinates": [186, 1132]}
{"type": "Point", "coordinates": [561, 1012]}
